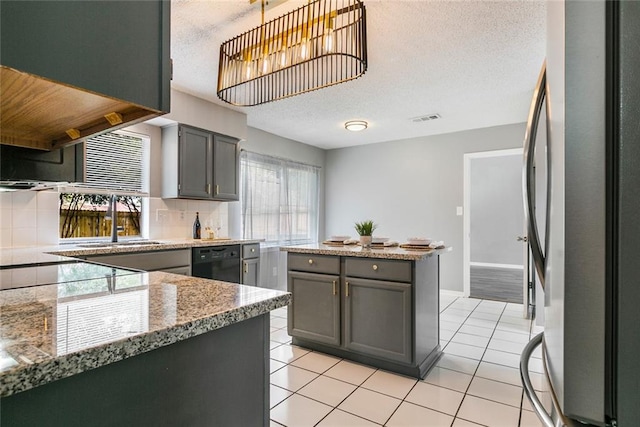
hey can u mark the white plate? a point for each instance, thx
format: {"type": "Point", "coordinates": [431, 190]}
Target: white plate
{"type": "Point", "coordinates": [379, 239]}
{"type": "Point", "coordinates": [339, 238]}
{"type": "Point", "coordinates": [418, 240]}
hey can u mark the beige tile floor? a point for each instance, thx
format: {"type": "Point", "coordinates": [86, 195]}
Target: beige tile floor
{"type": "Point", "coordinates": [475, 383]}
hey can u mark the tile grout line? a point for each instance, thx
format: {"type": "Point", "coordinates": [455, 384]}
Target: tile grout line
{"type": "Point", "coordinates": [478, 366]}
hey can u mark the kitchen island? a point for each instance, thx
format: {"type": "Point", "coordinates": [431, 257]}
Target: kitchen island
{"type": "Point", "coordinates": [374, 306]}
{"type": "Point", "coordinates": [134, 348]}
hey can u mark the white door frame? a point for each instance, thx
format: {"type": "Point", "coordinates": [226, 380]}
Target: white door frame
{"type": "Point", "coordinates": [466, 238]}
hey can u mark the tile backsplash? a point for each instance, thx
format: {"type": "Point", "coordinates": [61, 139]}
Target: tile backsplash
{"type": "Point", "coordinates": [31, 218]}
{"type": "Point", "coordinates": [28, 218]}
{"type": "Point", "coordinates": [173, 218]}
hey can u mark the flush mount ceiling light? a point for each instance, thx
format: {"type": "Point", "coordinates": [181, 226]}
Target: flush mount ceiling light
{"type": "Point", "coordinates": [315, 46]}
{"type": "Point", "coordinates": [356, 125]}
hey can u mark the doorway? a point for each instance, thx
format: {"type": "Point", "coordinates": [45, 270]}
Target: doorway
{"type": "Point", "coordinates": [495, 249]}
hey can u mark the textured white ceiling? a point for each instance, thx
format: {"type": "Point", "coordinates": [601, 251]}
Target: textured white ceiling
{"type": "Point", "coordinates": [473, 62]}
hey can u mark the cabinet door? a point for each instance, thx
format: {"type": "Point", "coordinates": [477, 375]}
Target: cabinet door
{"type": "Point", "coordinates": [250, 271]}
{"type": "Point", "coordinates": [377, 318]}
{"type": "Point", "coordinates": [115, 48]}
{"type": "Point", "coordinates": [314, 312]}
{"type": "Point", "coordinates": [195, 163]}
{"type": "Point", "coordinates": [225, 168]}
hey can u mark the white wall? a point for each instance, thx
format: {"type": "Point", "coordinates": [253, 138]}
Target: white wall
{"type": "Point", "coordinates": [410, 188]}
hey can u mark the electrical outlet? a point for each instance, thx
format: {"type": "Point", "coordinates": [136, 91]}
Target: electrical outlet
{"type": "Point", "coordinates": [459, 210]}
{"type": "Point", "coordinates": [275, 271]}
{"type": "Point", "coordinates": [181, 214]}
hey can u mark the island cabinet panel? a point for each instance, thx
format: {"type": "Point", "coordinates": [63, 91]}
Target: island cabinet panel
{"type": "Point", "coordinates": [315, 308]}
{"type": "Point", "coordinates": [219, 378]}
{"type": "Point", "coordinates": [379, 269]}
{"type": "Point", "coordinates": [385, 313]}
{"type": "Point", "coordinates": [377, 318]}
{"type": "Point", "coordinates": [314, 263]}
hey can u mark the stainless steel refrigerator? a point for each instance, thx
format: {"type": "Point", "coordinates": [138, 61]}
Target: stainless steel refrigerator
{"type": "Point", "coordinates": [588, 254]}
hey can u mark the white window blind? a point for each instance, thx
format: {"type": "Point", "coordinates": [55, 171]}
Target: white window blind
{"type": "Point", "coordinates": [115, 161]}
{"type": "Point", "coordinates": [278, 200]}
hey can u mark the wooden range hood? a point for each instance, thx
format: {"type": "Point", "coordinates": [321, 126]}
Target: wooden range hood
{"type": "Point", "coordinates": [43, 114]}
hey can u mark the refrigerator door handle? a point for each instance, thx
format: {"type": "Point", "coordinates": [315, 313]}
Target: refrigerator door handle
{"type": "Point", "coordinates": [545, 418]}
{"type": "Point", "coordinates": [528, 175]}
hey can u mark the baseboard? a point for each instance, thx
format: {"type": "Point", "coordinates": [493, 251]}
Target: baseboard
{"type": "Point", "coordinates": [493, 265]}
{"type": "Point", "coordinates": [451, 293]}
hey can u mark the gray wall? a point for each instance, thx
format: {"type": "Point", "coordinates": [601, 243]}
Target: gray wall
{"type": "Point", "coordinates": [262, 142]}
{"type": "Point", "coordinates": [410, 188]}
{"type": "Point", "coordinates": [496, 209]}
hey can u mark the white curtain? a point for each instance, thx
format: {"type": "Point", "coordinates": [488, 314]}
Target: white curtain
{"type": "Point", "coordinates": [278, 200]}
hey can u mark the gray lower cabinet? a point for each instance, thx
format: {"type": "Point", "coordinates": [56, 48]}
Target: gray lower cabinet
{"type": "Point", "coordinates": [176, 261]}
{"type": "Point", "coordinates": [315, 307]}
{"type": "Point", "coordinates": [199, 164]}
{"type": "Point", "coordinates": [381, 312]}
{"type": "Point", "coordinates": [251, 264]}
{"type": "Point", "coordinates": [250, 271]}
{"type": "Point", "coordinates": [377, 318]}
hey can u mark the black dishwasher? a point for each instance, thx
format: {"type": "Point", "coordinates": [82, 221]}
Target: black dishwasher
{"type": "Point", "coordinates": [216, 262]}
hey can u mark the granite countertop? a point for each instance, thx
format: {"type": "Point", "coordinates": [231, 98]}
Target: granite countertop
{"type": "Point", "coordinates": [51, 332]}
{"type": "Point", "coordinates": [61, 253]}
{"type": "Point", "coordinates": [358, 251]}
{"type": "Point", "coordinates": [74, 250]}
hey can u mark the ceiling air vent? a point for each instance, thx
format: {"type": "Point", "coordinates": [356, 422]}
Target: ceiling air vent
{"type": "Point", "coordinates": [425, 118]}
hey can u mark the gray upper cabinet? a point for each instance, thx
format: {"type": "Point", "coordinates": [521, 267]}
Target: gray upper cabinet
{"type": "Point", "coordinates": [199, 164]}
{"type": "Point", "coordinates": [226, 171]}
{"type": "Point", "coordinates": [195, 162]}
{"type": "Point", "coordinates": [75, 62]}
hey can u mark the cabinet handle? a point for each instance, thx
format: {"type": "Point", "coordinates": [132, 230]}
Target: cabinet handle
{"type": "Point", "coordinates": [208, 188]}
{"type": "Point", "coordinates": [246, 267]}
{"type": "Point", "coordinates": [217, 189]}
{"type": "Point", "coordinates": [346, 288]}
{"type": "Point", "coordinates": [375, 267]}
{"type": "Point", "coordinates": [253, 250]}
{"type": "Point", "coordinates": [335, 292]}
{"type": "Point", "coordinates": [310, 261]}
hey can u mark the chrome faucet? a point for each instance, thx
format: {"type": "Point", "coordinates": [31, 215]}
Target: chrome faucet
{"type": "Point", "coordinates": [112, 212]}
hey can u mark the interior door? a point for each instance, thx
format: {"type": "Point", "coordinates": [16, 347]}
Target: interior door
{"type": "Point", "coordinates": [497, 260]}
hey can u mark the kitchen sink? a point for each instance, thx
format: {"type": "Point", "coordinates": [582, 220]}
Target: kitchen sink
{"type": "Point", "coordinates": [125, 243]}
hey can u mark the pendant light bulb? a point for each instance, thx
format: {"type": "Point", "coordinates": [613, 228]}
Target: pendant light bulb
{"type": "Point", "coordinates": [247, 70]}
{"type": "Point", "coordinates": [282, 58]}
{"type": "Point", "coordinates": [265, 65]}
{"type": "Point", "coordinates": [305, 48]}
{"type": "Point", "coordinates": [328, 40]}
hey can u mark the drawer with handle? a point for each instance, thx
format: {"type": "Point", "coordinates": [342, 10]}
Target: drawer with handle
{"type": "Point", "coordinates": [251, 251]}
{"type": "Point", "coordinates": [314, 263]}
{"type": "Point", "coordinates": [380, 269]}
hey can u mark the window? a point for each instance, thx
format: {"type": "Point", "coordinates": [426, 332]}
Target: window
{"type": "Point", "coordinates": [278, 200]}
{"type": "Point", "coordinates": [115, 163]}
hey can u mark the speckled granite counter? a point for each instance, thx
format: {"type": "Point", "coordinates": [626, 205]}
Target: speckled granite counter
{"type": "Point", "coordinates": [74, 250]}
{"type": "Point", "coordinates": [358, 251]}
{"type": "Point", "coordinates": [56, 331]}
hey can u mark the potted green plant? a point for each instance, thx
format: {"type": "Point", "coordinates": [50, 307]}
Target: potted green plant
{"type": "Point", "coordinates": [365, 231]}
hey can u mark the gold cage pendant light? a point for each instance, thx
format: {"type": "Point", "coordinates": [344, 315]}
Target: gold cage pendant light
{"type": "Point", "coordinates": [315, 46]}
